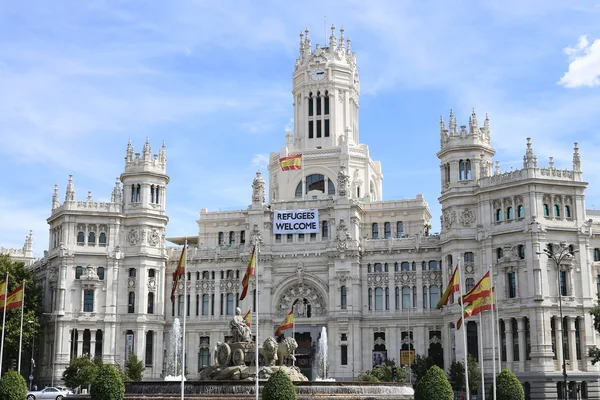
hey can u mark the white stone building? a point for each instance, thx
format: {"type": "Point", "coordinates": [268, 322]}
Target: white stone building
{"type": "Point", "coordinates": [370, 275]}
{"type": "Point", "coordinates": [24, 254]}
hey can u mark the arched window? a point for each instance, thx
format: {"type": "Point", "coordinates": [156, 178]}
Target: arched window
{"type": "Point", "coordinates": [88, 300]}
{"type": "Point", "coordinates": [316, 182]}
{"type": "Point", "coordinates": [91, 238]}
{"type": "Point", "coordinates": [498, 215]}
{"type": "Point", "coordinates": [375, 231]}
{"type": "Point", "coordinates": [131, 303]}
{"type": "Point", "coordinates": [546, 210]}
{"type": "Point", "coordinates": [468, 169]}
{"type": "Point", "coordinates": [325, 230]}
{"type": "Point", "coordinates": [80, 238]}
{"type": "Point", "coordinates": [469, 284]}
{"type": "Point", "coordinates": [567, 212]}
{"type": "Point", "coordinates": [509, 213]}
{"type": "Point", "coordinates": [399, 229]}
{"type": "Point", "coordinates": [378, 298]}
{"type": "Point", "coordinates": [387, 230]}
{"type": "Point", "coordinates": [461, 170]}
{"type": "Point", "coordinates": [102, 239]}
{"type": "Point", "coordinates": [434, 294]}
{"type": "Point", "coordinates": [150, 302]}
{"type": "Point", "coordinates": [78, 271]}
{"type": "Point", "coordinates": [100, 272]}
{"type": "Point", "coordinates": [405, 297]}
{"type": "Point", "coordinates": [397, 297]}
{"type": "Point", "coordinates": [520, 211]}
{"type": "Point", "coordinates": [343, 298]}
{"type": "Point", "coordinates": [556, 210]}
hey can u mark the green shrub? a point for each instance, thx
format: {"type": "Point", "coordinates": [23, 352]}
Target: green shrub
{"type": "Point", "coordinates": [279, 387]}
{"type": "Point", "coordinates": [108, 384]}
{"type": "Point", "coordinates": [12, 386]}
{"type": "Point", "coordinates": [509, 387]}
{"type": "Point", "coordinates": [434, 386]}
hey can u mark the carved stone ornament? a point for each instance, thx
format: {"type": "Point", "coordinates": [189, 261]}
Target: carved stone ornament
{"type": "Point", "coordinates": [467, 217]}
{"type": "Point", "coordinates": [435, 340]}
{"type": "Point", "coordinates": [342, 180]}
{"type": "Point", "coordinates": [448, 218]}
{"type": "Point", "coordinates": [378, 279]}
{"type": "Point", "coordinates": [343, 237]}
{"type": "Point", "coordinates": [229, 285]}
{"type": "Point", "coordinates": [258, 188]}
{"type": "Point", "coordinates": [205, 286]}
{"type": "Point", "coordinates": [153, 237]}
{"type": "Point", "coordinates": [133, 236]}
{"type": "Point", "coordinates": [305, 293]}
{"type": "Point", "coordinates": [89, 274]}
{"type": "Point", "coordinates": [131, 283]}
{"type": "Point", "coordinates": [53, 274]}
{"type": "Point", "coordinates": [152, 284]}
{"type": "Point", "coordinates": [406, 277]}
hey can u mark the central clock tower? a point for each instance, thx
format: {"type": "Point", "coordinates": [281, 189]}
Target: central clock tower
{"type": "Point", "coordinates": [325, 89]}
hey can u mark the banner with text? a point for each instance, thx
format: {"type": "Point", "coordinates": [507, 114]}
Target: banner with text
{"type": "Point", "coordinates": [296, 221]}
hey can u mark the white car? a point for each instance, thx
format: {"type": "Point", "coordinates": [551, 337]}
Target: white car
{"type": "Point", "coordinates": [47, 393]}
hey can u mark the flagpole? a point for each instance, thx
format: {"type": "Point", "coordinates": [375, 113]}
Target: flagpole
{"type": "Point", "coordinates": [481, 357]}
{"type": "Point", "coordinates": [464, 328]}
{"type": "Point", "coordinates": [21, 334]}
{"type": "Point", "coordinates": [303, 177]}
{"type": "Point", "coordinates": [3, 323]}
{"type": "Point", "coordinates": [184, 318]}
{"type": "Point", "coordinates": [294, 336]}
{"type": "Point", "coordinates": [492, 293]}
{"type": "Point", "coordinates": [256, 250]}
{"type": "Point", "coordinates": [495, 308]}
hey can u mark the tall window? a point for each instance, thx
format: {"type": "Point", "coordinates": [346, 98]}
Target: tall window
{"type": "Point", "coordinates": [370, 298]}
{"type": "Point", "coordinates": [397, 297]}
{"type": "Point", "coordinates": [520, 211]}
{"type": "Point", "coordinates": [149, 348]}
{"type": "Point", "coordinates": [344, 354]}
{"type": "Point", "coordinates": [221, 238]}
{"type": "Point", "coordinates": [131, 303]}
{"type": "Point", "coordinates": [498, 215]}
{"type": "Point", "coordinates": [424, 296]}
{"type": "Point", "coordinates": [231, 237]}
{"type": "Point", "coordinates": [468, 257]}
{"type": "Point", "coordinates": [387, 298]}
{"type": "Point", "coordinates": [567, 212]}
{"type": "Point", "coordinates": [405, 297]}
{"type": "Point", "coordinates": [88, 300]}
{"type": "Point", "coordinates": [150, 302]}
{"type": "Point", "coordinates": [229, 303]}
{"type": "Point", "coordinates": [512, 284]}
{"type": "Point", "coordinates": [325, 230]}
{"type": "Point", "coordinates": [387, 230]}
{"type": "Point", "coordinates": [343, 297]}
{"type": "Point", "coordinates": [132, 272]}
{"type": "Point", "coordinates": [375, 231]}
{"type": "Point", "coordinates": [414, 297]}
{"type": "Point", "coordinates": [499, 253]}
{"type": "Point", "coordinates": [100, 272]}
{"type": "Point", "coordinates": [204, 352]}
{"type": "Point", "coordinates": [556, 210]}
{"type": "Point", "coordinates": [509, 213]}
{"type": "Point", "coordinates": [78, 271]}
{"type": "Point", "coordinates": [596, 254]}
{"type": "Point", "coordinates": [399, 229]}
{"type": "Point", "coordinates": [563, 283]}
{"type": "Point", "coordinates": [405, 266]}
{"type": "Point", "coordinates": [102, 239]}
{"type": "Point", "coordinates": [80, 238]}
{"type": "Point", "coordinates": [546, 210]}
{"type": "Point", "coordinates": [91, 238]}
{"type": "Point", "coordinates": [378, 298]}
{"type": "Point", "coordinates": [205, 304]}
{"type": "Point", "coordinates": [521, 251]}
{"type": "Point", "coordinates": [433, 265]}
{"type": "Point", "coordinates": [469, 284]}
{"type": "Point", "coordinates": [434, 294]}
{"type": "Point", "coordinates": [242, 237]}
{"type": "Point", "coordinates": [180, 305]}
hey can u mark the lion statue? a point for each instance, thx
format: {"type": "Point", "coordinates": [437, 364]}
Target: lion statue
{"type": "Point", "coordinates": [285, 350]}
{"type": "Point", "coordinates": [269, 351]}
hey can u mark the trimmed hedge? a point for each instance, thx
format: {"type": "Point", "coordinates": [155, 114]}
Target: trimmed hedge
{"type": "Point", "coordinates": [108, 385]}
{"type": "Point", "coordinates": [509, 387]}
{"type": "Point", "coordinates": [12, 386]}
{"type": "Point", "coordinates": [279, 387]}
{"type": "Point", "coordinates": [434, 386]}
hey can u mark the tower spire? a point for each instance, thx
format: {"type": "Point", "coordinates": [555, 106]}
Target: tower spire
{"type": "Point", "coordinates": [55, 201]}
{"type": "Point", "coordinates": [332, 40]}
{"type": "Point", "coordinates": [70, 193]}
{"type": "Point", "coordinates": [529, 159]}
{"type": "Point", "coordinates": [576, 158]}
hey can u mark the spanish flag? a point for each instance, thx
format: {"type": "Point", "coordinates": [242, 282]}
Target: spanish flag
{"type": "Point", "coordinates": [14, 299]}
{"type": "Point", "coordinates": [248, 318]}
{"type": "Point", "coordinates": [291, 162]}
{"type": "Point", "coordinates": [287, 323]}
{"type": "Point", "coordinates": [3, 288]}
{"type": "Point", "coordinates": [453, 287]}
{"type": "Point", "coordinates": [178, 272]}
{"type": "Point", "coordinates": [250, 271]}
{"type": "Point", "coordinates": [481, 289]}
{"type": "Point", "coordinates": [480, 304]}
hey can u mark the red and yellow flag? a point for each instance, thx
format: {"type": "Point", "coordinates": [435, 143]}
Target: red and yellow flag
{"type": "Point", "coordinates": [481, 289]}
{"type": "Point", "coordinates": [178, 272]}
{"type": "Point", "coordinates": [14, 299]}
{"type": "Point", "coordinates": [287, 323]}
{"type": "Point", "coordinates": [453, 287]}
{"type": "Point", "coordinates": [3, 289]}
{"type": "Point", "coordinates": [248, 318]}
{"type": "Point", "coordinates": [250, 271]}
{"type": "Point", "coordinates": [291, 162]}
{"type": "Point", "coordinates": [480, 304]}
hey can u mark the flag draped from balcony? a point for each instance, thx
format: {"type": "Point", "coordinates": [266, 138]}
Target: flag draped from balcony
{"type": "Point", "coordinates": [250, 271]}
{"type": "Point", "coordinates": [178, 272]}
{"type": "Point", "coordinates": [453, 287]}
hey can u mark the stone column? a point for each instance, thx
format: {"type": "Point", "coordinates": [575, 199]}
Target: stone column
{"type": "Point", "coordinates": [80, 344]}
{"type": "Point", "coordinates": [447, 345]}
{"type": "Point", "coordinates": [572, 344]}
{"type": "Point", "coordinates": [522, 343]}
{"type": "Point", "coordinates": [508, 333]}
{"type": "Point", "coordinates": [92, 343]}
{"type": "Point", "coordinates": [559, 339]}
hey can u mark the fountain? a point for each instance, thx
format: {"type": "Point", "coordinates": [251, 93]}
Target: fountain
{"type": "Point", "coordinates": [320, 367]}
{"type": "Point", "coordinates": [174, 353]}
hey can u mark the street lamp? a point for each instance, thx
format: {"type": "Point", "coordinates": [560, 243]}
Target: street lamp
{"type": "Point", "coordinates": [32, 361]}
{"type": "Point", "coordinates": [564, 252]}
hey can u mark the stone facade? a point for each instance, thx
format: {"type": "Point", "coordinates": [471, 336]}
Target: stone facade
{"type": "Point", "coordinates": [371, 275]}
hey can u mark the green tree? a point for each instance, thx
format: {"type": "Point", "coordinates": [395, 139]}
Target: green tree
{"type": "Point", "coordinates": [594, 352]}
{"type": "Point", "coordinates": [108, 384]}
{"type": "Point", "coordinates": [12, 386]}
{"type": "Point", "coordinates": [384, 373]}
{"type": "Point", "coordinates": [279, 387]}
{"type": "Point", "coordinates": [134, 368]}
{"type": "Point", "coordinates": [420, 367]}
{"type": "Point", "coordinates": [81, 371]}
{"type": "Point", "coordinates": [456, 372]}
{"type": "Point", "coordinates": [509, 387]}
{"type": "Point", "coordinates": [434, 386]}
{"type": "Point", "coordinates": [31, 312]}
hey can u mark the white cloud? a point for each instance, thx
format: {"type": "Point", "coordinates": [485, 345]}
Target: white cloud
{"type": "Point", "coordinates": [584, 69]}
{"type": "Point", "coordinates": [261, 160]}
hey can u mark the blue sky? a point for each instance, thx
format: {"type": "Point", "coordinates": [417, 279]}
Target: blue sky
{"type": "Point", "coordinates": [213, 79]}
